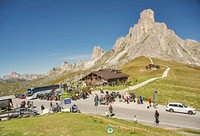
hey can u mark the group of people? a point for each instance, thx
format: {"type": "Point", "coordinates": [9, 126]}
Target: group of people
{"type": "Point", "coordinates": [108, 97]}
{"type": "Point", "coordinates": [127, 99]}
{"type": "Point", "coordinates": [48, 96]}
{"type": "Point", "coordinates": [56, 108]}
{"type": "Point", "coordinates": [132, 98]}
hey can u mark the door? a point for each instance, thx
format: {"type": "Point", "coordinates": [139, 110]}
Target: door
{"type": "Point", "coordinates": [180, 108]}
{"type": "Point", "coordinates": [175, 107]}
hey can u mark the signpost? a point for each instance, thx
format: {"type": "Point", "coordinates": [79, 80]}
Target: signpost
{"type": "Point", "coordinates": [110, 130]}
{"type": "Point", "coordinates": [67, 101]}
{"type": "Point", "coordinates": [155, 97]}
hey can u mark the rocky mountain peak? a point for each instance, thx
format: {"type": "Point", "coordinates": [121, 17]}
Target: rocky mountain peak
{"type": "Point", "coordinates": [97, 53]}
{"type": "Point", "coordinates": [80, 63]}
{"type": "Point", "coordinates": [154, 39]}
{"type": "Point", "coordinates": [15, 74]}
{"type": "Point", "coordinates": [147, 38]}
{"type": "Point", "coordinates": [147, 16]}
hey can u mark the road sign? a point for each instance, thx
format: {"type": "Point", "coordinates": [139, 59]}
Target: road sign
{"type": "Point", "coordinates": [67, 101]}
{"type": "Point", "coordinates": [110, 130]}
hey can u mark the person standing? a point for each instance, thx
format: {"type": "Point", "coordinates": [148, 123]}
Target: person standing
{"type": "Point", "coordinates": [157, 117]}
{"type": "Point", "coordinates": [110, 110]}
{"type": "Point", "coordinates": [141, 100]}
{"type": "Point", "coordinates": [101, 90]}
{"type": "Point", "coordinates": [42, 108]}
{"type": "Point", "coordinates": [134, 97]}
{"type": "Point", "coordinates": [120, 97]}
{"type": "Point", "coordinates": [96, 100]}
{"type": "Point", "coordinates": [135, 119]}
{"type": "Point", "coordinates": [127, 99]}
{"type": "Point", "coordinates": [51, 106]}
{"type": "Point", "coordinates": [149, 101]}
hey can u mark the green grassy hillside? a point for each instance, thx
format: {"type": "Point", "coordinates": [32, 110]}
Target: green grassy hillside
{"type": "Point", "coordinates": [136, 70]}
{"type": "Point", "coordinates": [181, 85]}
{"type": "Point", "coordinates": [67, 124]}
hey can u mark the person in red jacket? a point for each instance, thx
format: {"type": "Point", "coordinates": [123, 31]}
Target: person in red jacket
{"type": "Point", "coordinates": [23, 104]}
{"type": "Point", "coordinates": [149, 101]}
{"type": "Point", "coordinates": [127, 99]}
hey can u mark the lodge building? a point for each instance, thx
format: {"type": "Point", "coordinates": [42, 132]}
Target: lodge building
{"type": "Point", "coordinates": [152, 67]}
{"type": "Point", "coordinates": [105, 77]}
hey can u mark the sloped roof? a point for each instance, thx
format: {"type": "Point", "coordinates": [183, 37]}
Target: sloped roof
{"type": "Point", "coordinates": [109, 73]}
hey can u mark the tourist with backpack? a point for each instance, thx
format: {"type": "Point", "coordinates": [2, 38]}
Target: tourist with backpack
{"type": "Point", "coordinates": [141, 100]}
{"type": "Point", "coordinates": [157, 117]}
{"type": "Point", "coordinates": [149, 101]}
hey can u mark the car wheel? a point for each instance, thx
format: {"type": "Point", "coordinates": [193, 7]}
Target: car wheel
{"type": "Point", "coordinates": [190, 112]}
{"type": "Point", "coordinates": [171, 110]}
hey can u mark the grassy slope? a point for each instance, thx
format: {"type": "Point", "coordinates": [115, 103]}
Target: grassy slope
{"type": "Point", "coordinates": [134, 67]}
{"type": "Point", "coordinates": [68, 124]}
{"type": "Point", "coordinates": [181, 85]}
{"type": "Point", "coordinates": [60, 79]}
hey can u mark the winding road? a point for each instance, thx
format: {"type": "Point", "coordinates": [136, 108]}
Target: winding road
{"type": "Point", "coordinates": [128, 111]}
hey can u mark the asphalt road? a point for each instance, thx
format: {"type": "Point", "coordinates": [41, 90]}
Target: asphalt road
{"type": "Point", "coordinates": [128, 111]}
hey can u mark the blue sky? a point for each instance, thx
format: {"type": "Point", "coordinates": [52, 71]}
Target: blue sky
{"type": "Point", "coordinates": [37, 35]}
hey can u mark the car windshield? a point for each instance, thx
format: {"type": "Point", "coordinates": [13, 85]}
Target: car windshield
{"type": "Point", "coordinates": [184, 106]}
{"type": "Point", "coordinates": [28, 92]}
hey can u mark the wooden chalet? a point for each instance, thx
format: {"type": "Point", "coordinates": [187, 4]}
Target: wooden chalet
{"type": "Point", "coordinates": [152, 67]}
{"type": "Point", "coordinates": [105, 77]}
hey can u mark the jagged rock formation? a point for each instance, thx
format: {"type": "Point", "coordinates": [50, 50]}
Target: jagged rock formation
{"type": "Point", "coordinates": [67, 67]}
{"type": "Point", "coordinates": [147, 38]}
{"type": "Point", "coordinates": [154, 39]}
{"type": "Point", "coordinates": [97, 53]}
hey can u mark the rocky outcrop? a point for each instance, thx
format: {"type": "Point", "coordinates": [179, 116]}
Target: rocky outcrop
{"type": "Point", "coordinates": [147, 38]}
{"type": "Point", "coordinates": [97, 53]}
{"type": "Point", "coordinates": [67, 67]}
{"type": "Point", "coordinates": [154, 39]}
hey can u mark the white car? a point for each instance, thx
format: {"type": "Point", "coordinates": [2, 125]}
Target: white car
{"type": "Point", "coordinates": [179, 107]}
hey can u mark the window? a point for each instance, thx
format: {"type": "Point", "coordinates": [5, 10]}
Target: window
{"type": "Point", "coordinates": [180, 106]}
{"type": "Point", "coordinates": [174, 105]}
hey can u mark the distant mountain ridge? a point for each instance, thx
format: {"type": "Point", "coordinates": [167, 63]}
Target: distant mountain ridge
{"type": "Point", "coordinates": [147, 38]}
{"type": "Point", "coordinates": [15, 77]}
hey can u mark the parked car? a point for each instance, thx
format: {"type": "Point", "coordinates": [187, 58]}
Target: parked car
{"type": "Point", "coordinates": [23, 112]}
{"type": "Point", "coordinates": [6, 104]}
{"type": "Point", "coordinates": [20, 96]}
{"type": "Point", "coordinates": [179, 107]}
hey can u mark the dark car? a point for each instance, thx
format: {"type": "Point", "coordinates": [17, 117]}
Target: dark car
{"type": "Point", "coordinates": [20, 96]}
{"type": "Point", "coordinates": [26, 110]}
{"type": "Point", "coordinates": [23, 112]}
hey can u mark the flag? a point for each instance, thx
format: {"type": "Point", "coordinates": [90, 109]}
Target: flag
{"type": "Point", "coordinates": [53, 90]}
{"type": "Point", "coordinates": [67, 101]}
